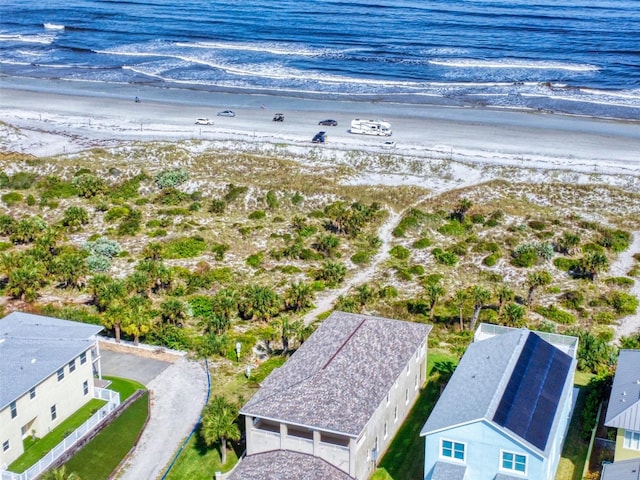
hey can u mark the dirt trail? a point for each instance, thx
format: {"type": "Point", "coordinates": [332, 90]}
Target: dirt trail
{"type": "Point", "coordinates": [325, 302]}
{"type": "Point", "coordinates": [631, 323]}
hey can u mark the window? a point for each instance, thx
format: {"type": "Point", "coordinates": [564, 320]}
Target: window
{"type": "Point", "coordinates": [61, 374]}
{"type": "Point", "coordinates": [406, 396]}
{"type": "Point", "coordinates": [85, 387]}
{"type": "Point", "coordinates": [32, 393]}
{"type": "Point", "coordinates": [386, 430]}
{"type": "Point", "coordinates": [395, 414]}
{"type": "Point", "coordinates": [5, 446]}
{"type": "Point", "coordinates": [388, 399]}
{"type": "Point", "coordinates": [452, 450]}
{"type": "Point", "coordinates": [54, 414]}
{"type": "Point", "coordinates": [408, 371]}
{"type": "Point", "coordinates": [514, 462]}
{"type": "Point", "coordinates": [83, 358]}
{"type": "Point", "coordinates": [72, 365]}
{"type": "Point", "coordinates": [631, 440]}
{"type": "Point", "coordinates": [14, 409]}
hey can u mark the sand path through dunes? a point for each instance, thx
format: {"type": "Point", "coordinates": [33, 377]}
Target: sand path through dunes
{"type": "Point", "coordinates": [631, 323]}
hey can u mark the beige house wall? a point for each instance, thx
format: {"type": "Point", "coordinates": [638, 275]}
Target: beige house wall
{"type": "Point", "coordinates": [621, 452]}
{"type": "Point", "coordinates": [34, 414]}
{"type": "Point", "coordinates": [358, 458]}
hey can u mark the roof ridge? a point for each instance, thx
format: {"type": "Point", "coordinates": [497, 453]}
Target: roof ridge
{"type": "Point", "coordinates": [346, 340]}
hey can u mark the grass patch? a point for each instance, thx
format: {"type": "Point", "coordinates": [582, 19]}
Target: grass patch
{"type": "Point", "coordinates": [574, 453]}
{"type": "Point", "coordinates": [103, 454]}
{"type": "Point", "coordinates": [199, 462]}
{"type": "Point", "coordinates": [124, 386]}
{"type": "Point", "coordinates": [36, 449]}
{"type": "Point", "coordinates": [404, 459]}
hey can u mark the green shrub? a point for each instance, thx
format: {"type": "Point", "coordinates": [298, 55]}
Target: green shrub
{"type": "Point", "coordinates": [74, 217]}
{"type": "Point", "coordinates": [102, 246]}
{"type": "Point", "coordinates": [218, 206]}
{"type": "Point", "coordinates": [555, 314]}
{"type": "Point", "coordinates": [453, 228]}
{"type": "Point", "coordinates": [566, 264]}
{"type": "Point", "coordinates": [185, 247]}
{"type": "Point", "coordinates": [88, 185]}
{"type": "Point", "coordinates": [171, 196]}
{"type": "Point", "coordinates": [234, 192]}
{"type": "Point", "coordinates": [444, 257]}
{"type": "Point", "coordinates": [592, 248]}
{"type": "Point", "coordinates": [573, 299]}
{"type": "Point", "coordinates": [477, 219]}
{"type": "Point", "coordinates": [537, 225]}
{"type": "Point", "coordinates": [159, 232]}
{"type": "Point", "coordinates": [604, 318]}
{"type": "Point", "coordinates": [615, 240]}
{"type": "Point", "coordinates": [130, 225]}
{"type": "Point", "coordinates": [19, 181]}
{"type": "Point", "coordinates": [272, 200]}
{"type": "Point", "coordinates": [98, 263]}
{"type": "Point", "coordinates": [115, 213]}
{"type": "Point", "coordinates": [416, 270]}
{"type": "Point", "coordinates": [361, 257]}
{"type": "Point", "coordinates": [620, 281]}
{"type": "Point", "coordinates": [490, 260]}
{"type": "Point", "coordinates": [623, 303]}
{"type": "Point", "coordinates": [422, 243]}
{"type": "Point", "coordinates": [297, 198]}
{"type": "Point", "coordinates": [400, 252]}
{"type": "Point", "coordinates": [171, 178]}
{"type": "Point", "coordinates": [11, 198]}
{"type": "Point", "coordinates": [257, 215]}
{"type": "Point", "coordinates": [219, 249]}
{"type": "Point", "coordinates": [255, 260]}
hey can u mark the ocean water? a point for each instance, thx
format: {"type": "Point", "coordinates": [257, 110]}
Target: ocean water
{"type": "Point", "coordinates": [573, 56]}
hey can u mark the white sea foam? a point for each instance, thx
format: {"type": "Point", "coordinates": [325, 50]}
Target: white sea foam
{"type": "Point", "coordinates": [513, 63]}
{"type": "Point", "coordinates": [53, 26]}
{"type": "Point", "coordinates": [272, 48]}
{"type": "Point", "coordinates": [44, 39]}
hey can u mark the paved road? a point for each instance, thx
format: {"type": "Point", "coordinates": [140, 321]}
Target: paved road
{"type": "Point", "coordinates": [178, 392]}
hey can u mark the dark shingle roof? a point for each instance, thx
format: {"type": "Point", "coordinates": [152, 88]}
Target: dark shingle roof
{"type": "Point", "coordinates": [624, 470]}
{"type": "Point", "coordinates": [286, 465]}
{"type": "Point", "coordinates": [494, 382]}
{"type": "Point", "coordinates": [340, 375]}
{"type": "Point", "coordinates": [624, 403]}
{"type": "Point", "coordinates": [33, 347]}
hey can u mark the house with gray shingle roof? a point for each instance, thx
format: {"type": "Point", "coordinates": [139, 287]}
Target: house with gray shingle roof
{"type": "Point", "coordinates": [47, 368]}
{"type": "Point", "coordinates": [505, 411]}
{"type": "Point", "coordinates": [621, 470]}
{"type": "Point", "coordinates": [623, 410]}
{"type": "Point", "coordinates": [332, 409]}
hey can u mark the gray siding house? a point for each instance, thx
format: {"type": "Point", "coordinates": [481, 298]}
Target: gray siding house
{"type": "Point", "coordinates": [332, 409]}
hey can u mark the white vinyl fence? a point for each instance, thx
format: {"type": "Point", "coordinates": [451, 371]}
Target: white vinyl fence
{"type": "Point", "coordinates": [113, 400]}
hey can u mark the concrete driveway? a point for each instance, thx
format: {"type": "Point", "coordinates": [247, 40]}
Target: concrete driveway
{"type": "Point", "coordinates": [178, 391]}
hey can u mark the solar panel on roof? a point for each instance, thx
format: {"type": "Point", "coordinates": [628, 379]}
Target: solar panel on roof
{"type": "Point", "coordinates": [530, 400]}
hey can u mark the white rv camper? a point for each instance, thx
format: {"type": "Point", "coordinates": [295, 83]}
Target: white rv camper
{"type": "Point", "coordinates": [371, 127]}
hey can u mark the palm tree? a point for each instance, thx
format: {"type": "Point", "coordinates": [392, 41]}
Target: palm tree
{"type": "Point", "coordinates": [592, 264]}
{"type": "Point", "coordinates": [298, 296]}
{"type": "Point", "coordinates": [505, 294]}
{"type": "Point", "coordinates": [24, 281]}
{"type": "Point", "coordinates": [535, 280]}
{"type": "Point", "coordinates": [460, 212]}
{"type": "Point", "coordinates": [568, 243]}
{"type": "Point", "coordinates": [225, 303]}
{"type": "Point", "coordinates": [70, 268]}
{"type": "Point", "coordinates": [218, 424]}
{"type": "Point", "coordinates": [433, 291]}
{"type": "Point", "coordinates": [137, 316]}
{"type": "Point", "coordinates": [174, 311]}
{"type": "Point", "coordinates": [61, 474]}
{"type": "Point", "coordinates": [460, 298]}
{"type": "Point", "coordinates": [480, 297]}
{"type": "Point", "coordinates": [514, 314]}
{"type": "Point", "coordinates": [259, 303]}
{"type": "Point", "coordinates": [289, 331]}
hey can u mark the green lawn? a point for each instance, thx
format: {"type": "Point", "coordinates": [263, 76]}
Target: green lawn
{"type": "Point", "coordinates": [574, 453]}
{"type": "Point", "coordinates": [35, 450]}
{"type": "Point", "coordinates": [405, 458]}
{"type": "Point", "coordinates": [124, 386]}
{"type": "Point", "coordinates": [101, 456]}
{"type": "Point", "coordinates": [198, 462]}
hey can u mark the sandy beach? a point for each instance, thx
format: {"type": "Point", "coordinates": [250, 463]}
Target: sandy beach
{"type": "Point", "coordinates": [64, 117]}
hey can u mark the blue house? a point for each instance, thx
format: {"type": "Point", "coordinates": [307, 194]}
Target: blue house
{"type": "Point", "coordinates": [505, 411]}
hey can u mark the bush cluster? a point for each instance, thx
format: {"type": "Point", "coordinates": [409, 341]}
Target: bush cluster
{"type": "Point", "coordinates": [171, 178]}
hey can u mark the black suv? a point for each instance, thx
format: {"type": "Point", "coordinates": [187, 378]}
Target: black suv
{"type": "Point", "coordinates": [328, 123]}
{"type": "Point", "coordinates": [278, 117]}
{"type": "Point", "coordinates": [320, 137]}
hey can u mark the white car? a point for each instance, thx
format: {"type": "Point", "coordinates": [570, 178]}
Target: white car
{"type": "Point", "coordinates": [389, 144]}
{"type": "Point", "coordinates": [227, 113]}
{"type": "Point", "coordinates": [203, 121]}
